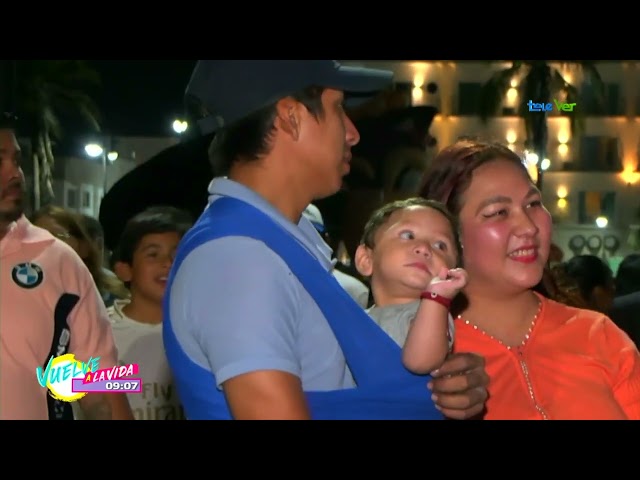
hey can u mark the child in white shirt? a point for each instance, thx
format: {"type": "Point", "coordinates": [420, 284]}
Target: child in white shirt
{"type": "Point", "coordinates": [143, 260]}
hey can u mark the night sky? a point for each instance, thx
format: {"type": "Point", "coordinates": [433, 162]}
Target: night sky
{"type": "Point", "coordinates": [141, 97]}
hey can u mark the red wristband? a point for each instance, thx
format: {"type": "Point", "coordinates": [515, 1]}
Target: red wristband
{"type": "Point", "coordinates": [436, 298]}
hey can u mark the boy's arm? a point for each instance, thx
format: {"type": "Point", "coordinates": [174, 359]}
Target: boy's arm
{"type": "Point", "coordinates": [427, 343]}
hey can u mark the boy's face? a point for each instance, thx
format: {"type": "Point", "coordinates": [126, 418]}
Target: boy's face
{"type": "Point", "coordinates": [152, 261]}
{"type": "Point", "coordinates": [410, 249]}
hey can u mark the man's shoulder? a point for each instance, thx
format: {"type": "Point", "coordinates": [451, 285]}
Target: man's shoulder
{"type": "Point", "coordinates": [225, 269]}
{"type": "Point", "coordinates": [45, 241]}
{"type": "Point", "coordinates": [57, 260]}
{"type": "Point", "coordinates": [233, 250]}
{"type": "Point", "coordinates": [70, 262]}
{"type": "Point", "coordinates": [624, 313]}
{"type": "Point", "coordinates": [624, 302]}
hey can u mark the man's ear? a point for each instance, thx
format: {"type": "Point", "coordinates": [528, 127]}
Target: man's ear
{"type": "Point", "coordinates": [123, 271]}
{"type": "Point", "coordinates": [288, 116]}
{"type": "Point", "coordinates": [364, 260]}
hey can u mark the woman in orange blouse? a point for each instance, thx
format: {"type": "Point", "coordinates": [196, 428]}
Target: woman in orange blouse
{"type": "Point", "coordinates": [545, 360]}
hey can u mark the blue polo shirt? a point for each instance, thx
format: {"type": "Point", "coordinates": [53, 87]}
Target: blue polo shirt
{"type": "Point", "coordinates": [235, 306]}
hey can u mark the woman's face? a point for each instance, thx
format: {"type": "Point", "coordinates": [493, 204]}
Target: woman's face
{"type": "Point", "coordinates": [505, 229]}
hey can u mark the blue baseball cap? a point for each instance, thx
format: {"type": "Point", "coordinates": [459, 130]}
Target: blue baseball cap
{"type": "Point", "coordinates": [221, 92]}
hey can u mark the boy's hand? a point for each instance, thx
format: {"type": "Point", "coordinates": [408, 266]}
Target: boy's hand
{"type": "Point", "coordinates": [449, 282]}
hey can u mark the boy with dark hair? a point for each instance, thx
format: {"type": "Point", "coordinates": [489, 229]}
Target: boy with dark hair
{"type": "Point", "coordinates": [143, 259]}
{"type": "Point", "coordinates": [410, 249]}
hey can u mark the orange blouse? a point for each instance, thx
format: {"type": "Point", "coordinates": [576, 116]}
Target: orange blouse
{"type": "Point", "coordinates": [576, 365]}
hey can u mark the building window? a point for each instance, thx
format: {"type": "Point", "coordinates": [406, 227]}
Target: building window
{"type": "Point", "coordinates": [71, 200]}
{"type": "Point", "coordinates": [592, 205]}
{"type": "Point", "coordinates": [599, 154]}
{"type": "Point", "coordinates": [409, 180]}
{"type": "Point", "coordinates": [591, 103]}
{"type": "Point", "coordinates": [469, 98]}
{"type": "Point", "coordinates": [99, 195]}
{"type": "Point", "coordinates": [403, 90]}
{"type": "Point", "coordinates": [614, 101]}
{"type": "Point", "coordinates": [87, 199]}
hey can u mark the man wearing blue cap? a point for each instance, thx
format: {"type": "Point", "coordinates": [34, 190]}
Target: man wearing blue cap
{"type": "Point", "coordinates": [256, 327]}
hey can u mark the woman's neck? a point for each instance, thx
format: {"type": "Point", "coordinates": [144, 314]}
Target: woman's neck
{"type": "Point", "coordinates": [508, 318]}
{"type": "Point", "coordinates": [143, 310]}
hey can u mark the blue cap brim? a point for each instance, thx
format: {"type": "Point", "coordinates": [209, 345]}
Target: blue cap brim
{"type": "Point", "coordinates": [359, 80]}
{"type": "Point", "coordinates": [221, 93]}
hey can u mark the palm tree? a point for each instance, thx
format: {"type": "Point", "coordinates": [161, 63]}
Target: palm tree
{"type": "Point", "coordinates": [7, 85]}
{"type": "Point", "coordinates": [540, 82]}
{"type": "Point", "coordinates": [45, 90]}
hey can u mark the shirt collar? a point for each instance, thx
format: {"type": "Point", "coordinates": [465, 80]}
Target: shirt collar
{"type": "Point", "coordinates": [305, 232]}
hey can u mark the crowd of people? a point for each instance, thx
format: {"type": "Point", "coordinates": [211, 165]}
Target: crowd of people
{"type": "Point", "coordinates": [459, 312]}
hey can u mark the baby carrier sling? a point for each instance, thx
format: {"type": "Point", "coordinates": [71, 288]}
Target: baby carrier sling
{"type": "Point", "coordinates": [385, 388]}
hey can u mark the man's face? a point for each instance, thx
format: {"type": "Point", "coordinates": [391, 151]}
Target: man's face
{"type": "Point", "coordinates": [326, 142]}
{"type": "Point", "coordinates": [11, 178]}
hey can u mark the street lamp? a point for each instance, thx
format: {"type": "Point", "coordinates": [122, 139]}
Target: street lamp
{"type": "Point", "coordinates": [602, 222]}
{"type": "Point", "coordinates": [180, 126]}
{"type": "Point", "coordinates": [95, 150]}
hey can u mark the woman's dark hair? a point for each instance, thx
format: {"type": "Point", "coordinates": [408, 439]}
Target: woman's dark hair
{"type": "Point", "coordinates": [250, 138]}
{"type": "Point", "coordinates": [450, 172]}
{"type": "Point", "coordinates": [628, 276]}
{"type": "Point", "coordinates": [8, 121]}
{"type": "Point", "coordinates": [74, 226]}
{"type": "Point", "coordinates": [93, 227]}
{"type": "Point", "coordinates": [562, 287]}
{"type": "Point", "coordinates": [589, 272]}
{"type": "Point", "coordinates": [449, 175]}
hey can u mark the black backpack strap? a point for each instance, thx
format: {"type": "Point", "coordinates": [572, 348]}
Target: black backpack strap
{"type": "Point", "coordinates": [59, 410]}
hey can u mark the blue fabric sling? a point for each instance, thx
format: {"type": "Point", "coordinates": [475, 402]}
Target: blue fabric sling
{"type": "Point", "coordinates": [385, 388]}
